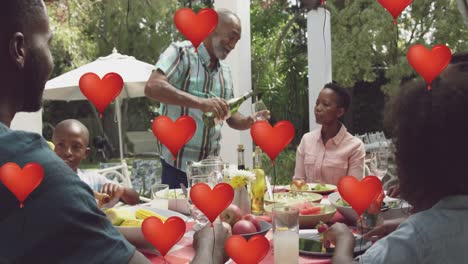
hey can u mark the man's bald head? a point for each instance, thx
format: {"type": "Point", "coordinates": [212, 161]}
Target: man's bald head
{"type": "Point", "coordinates": [224, 39]}
{"type": "Point", "coordinates": [227, 16]}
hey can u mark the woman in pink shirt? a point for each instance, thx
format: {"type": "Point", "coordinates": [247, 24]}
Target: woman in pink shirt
{"type": "Point", "coordinates": [330, 152]}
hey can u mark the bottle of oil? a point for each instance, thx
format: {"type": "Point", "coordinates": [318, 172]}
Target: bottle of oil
{"type": "Point", "coordinates": [258, 187]}
{"type": "Point", "coordinates": [240, 157]}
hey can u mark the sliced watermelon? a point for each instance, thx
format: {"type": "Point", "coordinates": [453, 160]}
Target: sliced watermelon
{"type": "Point", "coordinates": [311, 211]}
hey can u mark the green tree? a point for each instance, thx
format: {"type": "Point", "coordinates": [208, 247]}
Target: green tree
{"type": "Point", "coordinates": [86, 30]}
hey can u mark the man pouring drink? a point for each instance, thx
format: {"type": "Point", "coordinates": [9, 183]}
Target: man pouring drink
{"type": "Point", "coordinates": [198, 84]}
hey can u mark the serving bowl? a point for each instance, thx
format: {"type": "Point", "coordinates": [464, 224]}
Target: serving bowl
{"type": "Point", "coordinates": [351, 215]}
{"type": "Point", "coordinates": [287, 197]}
{"type": "Point", "coordinates": [264, 228]}
{"type": "Point", "coordinates": [134, 235]}
{"type": "Point", "coordinates": [309, 221]}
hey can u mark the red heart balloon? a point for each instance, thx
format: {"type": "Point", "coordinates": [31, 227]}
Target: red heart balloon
{"type": "Point", "coordinates": [395, 7]}
{"type": "Point", "coordinates": [174, 135]}
{"type": "Point", "coordinates": [211, 202]}
{"type": "Point", "coordinates": [21, 182]}
{"type": "Point", "coordinates": [101, 92]}
{"type": "Point", "coordinates": [196, 27]}
{"type": "Point", "coordinates": [272, 140]}
{"type": "Point", "coordinates": [429, 64]}
{"type": "Point", "coordinates": [247, 252]}
{"type": "Point", "coordinates": [359, 194]}
{"type": "Point", "coordinates": [163, 236]}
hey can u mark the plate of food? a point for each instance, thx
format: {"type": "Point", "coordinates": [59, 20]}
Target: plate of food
{"type": "Point", "coordinates": [287, 197]}
{"type": "Point", "coordinates": [310, 214]}
{"type": "Point", "coordinates": [128, 221]}
{"type": "Point", "coordinates": [302, 186]}
{"type": "Point", "coordinates": [311, 243]}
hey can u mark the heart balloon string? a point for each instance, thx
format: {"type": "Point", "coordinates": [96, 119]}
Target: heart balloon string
{"type": "Point", "coordinates": [214, 241]}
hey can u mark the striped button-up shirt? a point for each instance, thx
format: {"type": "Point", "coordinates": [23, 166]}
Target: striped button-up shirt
{"type": "Point", "coordinates": [342, 155]}
{"type": "Point", "coordinates": [189, 71]}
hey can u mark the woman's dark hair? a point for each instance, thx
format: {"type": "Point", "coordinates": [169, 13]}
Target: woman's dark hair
{"type": "Point", "coordinates": [459, 57]}
{"type": "Point", "coordinates": [344, 99]}
{"type": "Point", "coordinates": [430, 130]}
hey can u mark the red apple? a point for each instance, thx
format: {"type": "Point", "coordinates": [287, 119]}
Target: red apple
{"type": "Point", "coordinates": [252, 218]}
{"type": "Point", "coordinates": [231, 215]}
{"type": "Point", "coordinates": [243, 227]}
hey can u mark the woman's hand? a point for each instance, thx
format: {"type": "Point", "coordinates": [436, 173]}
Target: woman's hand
{"type": "Point", "coordinates": [340, 235]}
{"type": "Point", "coordinates": [337, 232]}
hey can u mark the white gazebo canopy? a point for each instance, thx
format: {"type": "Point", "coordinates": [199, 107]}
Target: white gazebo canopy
{"type": "Point", "coordinates": [134, 73]}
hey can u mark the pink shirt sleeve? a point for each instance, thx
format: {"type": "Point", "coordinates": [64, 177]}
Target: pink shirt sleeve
{"type": "Point", "coordinates": [299, 171]}
{"type": "Point", "coordinates": [356, 162]}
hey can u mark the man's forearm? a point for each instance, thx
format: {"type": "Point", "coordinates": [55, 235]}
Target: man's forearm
{"type": "Point", "coordinates": [238, 121]}
{"type": "Point", "coordinates": [164, 92]}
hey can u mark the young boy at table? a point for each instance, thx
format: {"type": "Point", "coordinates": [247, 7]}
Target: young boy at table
{"type": "Point", "coordinates": [430, 131]}
{"type": "Point", "coordinates": [71, 140]}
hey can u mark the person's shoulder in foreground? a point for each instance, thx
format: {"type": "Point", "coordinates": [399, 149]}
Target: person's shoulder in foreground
{"type": "Point", "coordinates": [432, 174]}
{"type": "Point", "coordinates": [60, 221]}
{"type": "Point", "coordinates": [437, 235]}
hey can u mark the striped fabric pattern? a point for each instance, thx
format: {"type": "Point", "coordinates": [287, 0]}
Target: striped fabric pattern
{"type": "Point", "coordinates": [189, 71]}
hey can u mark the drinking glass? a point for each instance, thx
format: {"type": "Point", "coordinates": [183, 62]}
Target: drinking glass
{"type": "Point", "coordinates": [285, 234]}
{"type": "Point", "coordinates": [160, 197]}
{"type": "Point", "coordinates": [379, 163]}
{"type": "Point", "coordinates": [258, 107]}
{"type": "Point", "coordinates": [200, 219]}
{"type": "Point", "coordinates": [210, 172]}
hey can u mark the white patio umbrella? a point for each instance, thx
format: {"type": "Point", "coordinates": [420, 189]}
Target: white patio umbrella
{"type": "Point", "coordinates": [134, 73]}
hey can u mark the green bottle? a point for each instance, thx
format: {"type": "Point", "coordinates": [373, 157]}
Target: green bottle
{"type": "Point", "coordinates": [211, 120]}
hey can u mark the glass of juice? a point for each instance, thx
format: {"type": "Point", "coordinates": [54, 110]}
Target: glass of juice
{"type": "Point", "coordinates": [285, 234]}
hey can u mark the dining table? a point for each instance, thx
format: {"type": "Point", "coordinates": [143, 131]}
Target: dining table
{"type": "Point", "coordinates": [183, 251]}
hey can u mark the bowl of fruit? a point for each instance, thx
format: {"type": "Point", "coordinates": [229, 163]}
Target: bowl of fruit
{"type": "Point", "coordinates": [246, 225]}
{"type": "Point", "coordinates": [128, 221]}
{"type": "Point", "coordinates": [310, 214]}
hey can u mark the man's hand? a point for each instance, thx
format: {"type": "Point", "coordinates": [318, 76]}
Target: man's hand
{"type": "Point", "coordinates": [383, 230]}
{"type": "Point", "coordinates": [114, 190]}
{"type": "Point", "coordinates": [218, 106]}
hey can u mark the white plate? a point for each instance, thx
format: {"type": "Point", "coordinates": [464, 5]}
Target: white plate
{"type": "Point", "coordinates": [313, 233]}
{"type": "Point", "coordinates": [331, 189]}
{"type": "Point", "coordinates": [134, 234]}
